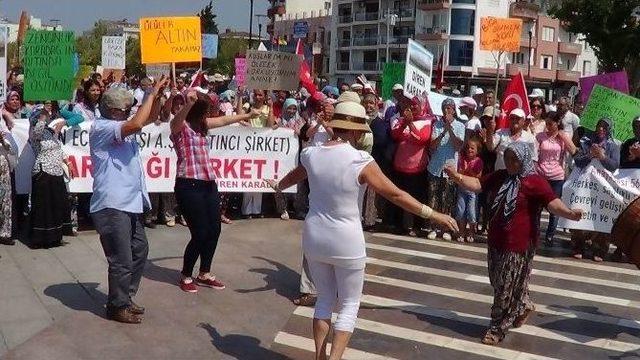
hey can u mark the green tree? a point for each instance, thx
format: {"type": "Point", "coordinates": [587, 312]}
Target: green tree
{"type": "Point", "coordinates": [133, 58]}
{"type": "Point", "coordinates": [229, 50]}
{"type": "Point", "coordinates": [13, 55]}
{"type": "Point", "coordinates": [610, 28]}
{"type": "Point", "coordinates": [208, 19]}
{"type": "Point", "coordinates": [89, 44]}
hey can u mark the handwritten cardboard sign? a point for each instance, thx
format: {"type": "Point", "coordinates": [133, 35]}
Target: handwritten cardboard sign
{"type": "Point", "coordinates": [170, 39]}
{"type": "Point", "coordinates": [48, 65]}
{"type": "Point", "coordinates": [500, 34]}
{"type": "Point", "coordinates": [272, 70]}
{"type": "Point", "coordinates": [418, 70]}
{"type": "Point", "coordinates": [620, 108]}
{"type": "Point", "coordinates": [616, 81]}
{"type": "Point", "coordinates": [113, 52]}
{"type": "Point", "coordinates": [157, 70]}
{"type": "Point", "coordinates": [241, 71]}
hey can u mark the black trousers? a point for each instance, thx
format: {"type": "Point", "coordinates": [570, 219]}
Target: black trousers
{"type": "Point", "coordinates": [199, 203]}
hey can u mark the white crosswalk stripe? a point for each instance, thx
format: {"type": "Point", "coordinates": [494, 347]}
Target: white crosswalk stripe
{"type": "Point", "coordinates": [417, 309]}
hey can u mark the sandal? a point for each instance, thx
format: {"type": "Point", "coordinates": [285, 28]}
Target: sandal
{"type": "Point", "coordinates": [491, 338]}
{"type": "Point", "coordinates": [577, 256]}
{"type": "Point", "coordinates": [598, 259]}
{"type": "Point", "coordinates": [522, 319]}
{"type": "Point", "coordinates": [305, 300]}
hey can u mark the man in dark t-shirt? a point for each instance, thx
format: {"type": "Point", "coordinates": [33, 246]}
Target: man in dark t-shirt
{"type": "Point", "coordinates": [630, 150]}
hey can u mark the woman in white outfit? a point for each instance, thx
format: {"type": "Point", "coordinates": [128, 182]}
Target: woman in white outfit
{"type": "Point", "coordinates": [332, 240]}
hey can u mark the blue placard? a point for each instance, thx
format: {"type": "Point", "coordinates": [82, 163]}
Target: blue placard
{"type": "Point", "coordinates": [209, 46]}
{"type": "Point", "coordinates": [300, 29]}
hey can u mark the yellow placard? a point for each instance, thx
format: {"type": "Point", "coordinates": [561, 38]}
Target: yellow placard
{"type": "Point", "coordinates": [170, 39]}
{"type": "Point", "coordinates": [500, 34]}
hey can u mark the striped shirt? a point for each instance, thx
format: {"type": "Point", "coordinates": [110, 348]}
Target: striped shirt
{"type": "Point", "coordinates": [192, 150]}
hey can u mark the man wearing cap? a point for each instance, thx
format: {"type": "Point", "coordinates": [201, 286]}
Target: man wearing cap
{"type": "Point", "coordinates": [478, 96]}
{"type": "Point", "coordinates": [357, 88]}
{"type": "Point", "coordinates": [216, 84]}
{"type": "Point", "coordinates": [536, 94]}
{"type": "Point", "coordinates": [120, 195]}
{"type": "Point", "coordinates": [397, 92]}
{"type": "Point", "coordinates": [498, 141]}
{"type": "Point", "coordinates": [630, 150]}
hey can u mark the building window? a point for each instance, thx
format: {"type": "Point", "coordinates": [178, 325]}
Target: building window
{"type": "Point", "coordinates": [517, 58]}
{"type": "Point", "coordinates": [546, 62]}
{"type": "Point", "coordinates": [586, 68]}
{"type": "Point", "coordinates": [460, 53]}
{"type": "Point", "coordinates": [464, 1]}
{"type": "Point", "coordinates": [548, 34]}
{"type": "Point", "coordinates": [462, 21]}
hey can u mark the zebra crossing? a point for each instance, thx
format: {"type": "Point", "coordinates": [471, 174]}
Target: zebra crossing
{"type": "Point", "coordinates": [432, 299]}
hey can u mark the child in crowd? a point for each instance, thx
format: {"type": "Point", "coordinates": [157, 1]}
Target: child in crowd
{"type": "Point", "coordinates": [469, 164]}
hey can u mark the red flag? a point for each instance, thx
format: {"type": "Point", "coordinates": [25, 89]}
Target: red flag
{"type": "Point", "coordinates": [515, 96]}
{"type": "Point", "coordinates": [305, 72]}
{"type": "Point", "coordinates": [440, 72]}
{"type": "Point", "coordinates": [197, 80]}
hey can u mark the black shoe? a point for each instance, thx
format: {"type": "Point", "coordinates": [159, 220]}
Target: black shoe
{"type": "Point", "coordinates": [123, 315]}
{"type": "Point", "coordinates": [7, 241]}
{"type": "Point", "coordinates": [136, 309]}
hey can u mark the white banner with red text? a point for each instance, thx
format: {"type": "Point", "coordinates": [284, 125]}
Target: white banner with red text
{"type": "Point", "coordinates": [242, 157]}
{"type": "Point", "coordinates": [601, 194]}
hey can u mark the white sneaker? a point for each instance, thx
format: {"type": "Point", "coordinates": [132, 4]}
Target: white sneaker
{"type": "Point", "coordinates": [432, 235]}
{"type": "Point", "coordinates": [446, 236]}
{"type": "Point", "coordinates": [460, 239]}
{"type": "Point", "coordinates": [284, 216]}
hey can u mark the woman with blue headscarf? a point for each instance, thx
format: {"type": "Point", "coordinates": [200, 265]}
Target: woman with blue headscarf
{"type": "Point", "coordinates": [518, 195]}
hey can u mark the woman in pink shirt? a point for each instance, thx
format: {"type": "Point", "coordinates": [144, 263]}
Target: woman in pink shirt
{"type": "Point", "coordinates": [412, 134]}
{"type": "Point", "coordinates": [553, 144]}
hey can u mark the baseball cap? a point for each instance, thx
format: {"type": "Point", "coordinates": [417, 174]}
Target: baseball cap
{"type": "Point", "coordinates": [397, 87]}
{"type": "Point", "coordinates": [478, 91]}
{"type": "Point", "coordinates": [518, 112]}
{"type": "Point", "coordinates": [468, 101]}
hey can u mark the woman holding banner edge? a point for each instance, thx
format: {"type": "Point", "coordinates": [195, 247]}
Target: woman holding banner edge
{"type": "Point", "coordinates": [195, 188]}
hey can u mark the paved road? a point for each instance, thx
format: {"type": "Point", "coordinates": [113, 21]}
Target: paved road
{"type": "Point", "coordinates": [431, 300]}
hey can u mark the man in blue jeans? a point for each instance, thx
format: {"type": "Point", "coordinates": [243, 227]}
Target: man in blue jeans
{"type": "Point", "coordinates": [120, 195]}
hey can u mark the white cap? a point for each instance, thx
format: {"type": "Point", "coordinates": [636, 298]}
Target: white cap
{"type": "Point", "coordinates": [357, 86]}
{"type": "Point", "coordinates": [478, 91]}
{"type": "Point", "coordinates": [456, 92]}
{"type": "Point", "coordinates": [518, 112]}
{"type": "Point", "coordinates": [468, 102]}
{"type": "Point", "coordinates": [536, 93]}
{"type": "Point", "coordinates": [397, 87]}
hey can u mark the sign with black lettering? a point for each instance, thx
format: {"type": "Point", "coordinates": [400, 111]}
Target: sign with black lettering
{"type": "Point", "coordinates": [418, 70]}
{"type": "Point", "coordinates": [113, 52]}
{"type": "Point", "coordinates": [272, 70]}
{"type": "Point", "coordinates": [170, 39]}
{"type": "Point", "coordinates": [48, 65]}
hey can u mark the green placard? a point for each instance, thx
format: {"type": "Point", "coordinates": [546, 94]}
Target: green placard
{"type": "Point", "coordinates": [619, 107]}
{"type": "Point", "coordinates": [393, 73]}
{"type": "Point", "coordinates": [48, 65]}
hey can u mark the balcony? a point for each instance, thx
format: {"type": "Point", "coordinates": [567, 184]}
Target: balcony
{"type": "Point", "coordinates": [365, 41]}
{"type": "Point", "coordinates": [429, 5]}
{"type": "Point", "coordinates": [344, 42]}
{"type": "Point", "coordinates": [344, 19]}
{"type": "Point", "coordinates": [395, 39]}
{"type": "Point", "coordinates": [403, 13]}
{"type": "Point", "coordinates": [569, 48]}
{"type": "Point", "coordinates": [437, 33]}
{"type": "Point", "coordinates": [536, 72]}
{"type": "Point", "coordinates": [366, 66]}
{"type": "Point", "coordinates": [524, 10]}
{"type": "Point", "coordinates": [569, 76]}
{"type": "Point", "coordinates": [343, 66]}
{"type": "Point", "coordinates": [367, 16]}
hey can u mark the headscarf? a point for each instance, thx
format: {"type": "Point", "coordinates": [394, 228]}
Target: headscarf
{"type": "Point", "coordinates": [452, 103]}
{"type": "Point", "coordinates": [9, 96]}
{"type": "Point", "coordinates": [508, 192]}
{"type": "Point", "coordinates": [285, 106]}
{"type": "Point", "coordinates": [593, 138]}
{"type": "Point", "coordinates": [226, 96]}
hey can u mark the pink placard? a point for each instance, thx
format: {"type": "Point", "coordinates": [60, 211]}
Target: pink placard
{"type": "Point", "coordinates": [241, 71]}
{"type": "Point", "coordinates": [616, 81]}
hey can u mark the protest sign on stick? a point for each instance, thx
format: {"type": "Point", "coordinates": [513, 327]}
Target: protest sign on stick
{"type": "Point", "coordinates": [170, 39]}
{"type": "Point", "coordinates": [113, 52]}
{"type": "Point", "coordinates": [500, 34]}
{"type": "Point", "coordinates": [272, 70]}
{"type": "Point", "coordinates": [157, 70]}
{"type": "Point", "coordinates": [418, 70]}
{"type": "Point", "coordinates": [241, 71]}
{"type": "Point", "coordinates": [48, 65]}
{"type": "Point", "coordinates": [620, 108]}
{"type": "Point", "coordinates": [602, 196]}
{"type": "Point", "coordinates": [616, 81]}
{"type": "Point", "coordinates": [392, 73]}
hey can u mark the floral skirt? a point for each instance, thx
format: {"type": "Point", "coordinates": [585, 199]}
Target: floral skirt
{"type": "Point", "coordinates": [509, 274]}
{"type": "Point", "coordinates": [5, 198]}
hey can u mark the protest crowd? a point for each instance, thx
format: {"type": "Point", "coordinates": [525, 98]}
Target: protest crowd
{"type": "Point", "coordinates": [469, 160]}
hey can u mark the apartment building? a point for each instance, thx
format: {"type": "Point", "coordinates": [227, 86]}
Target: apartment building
{"type": "Point", "coordinates": [365, 33]}
{"type": "Point", "coordinates": [549, 56]}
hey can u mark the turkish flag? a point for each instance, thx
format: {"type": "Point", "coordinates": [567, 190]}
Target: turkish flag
{"type": "Point", "coordinates": [440, 72]}
{"type": "Point", "coordinates": [305, 72]}
{"type": "Point", "coordinates": [515, 96]}
{"type": "Point", "coordinates": [197, 80]}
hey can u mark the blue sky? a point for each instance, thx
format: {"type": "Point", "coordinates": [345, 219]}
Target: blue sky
{"type": "Point", "coordinates": [79, 15]}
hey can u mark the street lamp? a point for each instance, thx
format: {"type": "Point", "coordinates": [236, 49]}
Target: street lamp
{"type": "Point", "coordinates": [251, 24]}
{"type": "Point", "coordinates": [260, 16]}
